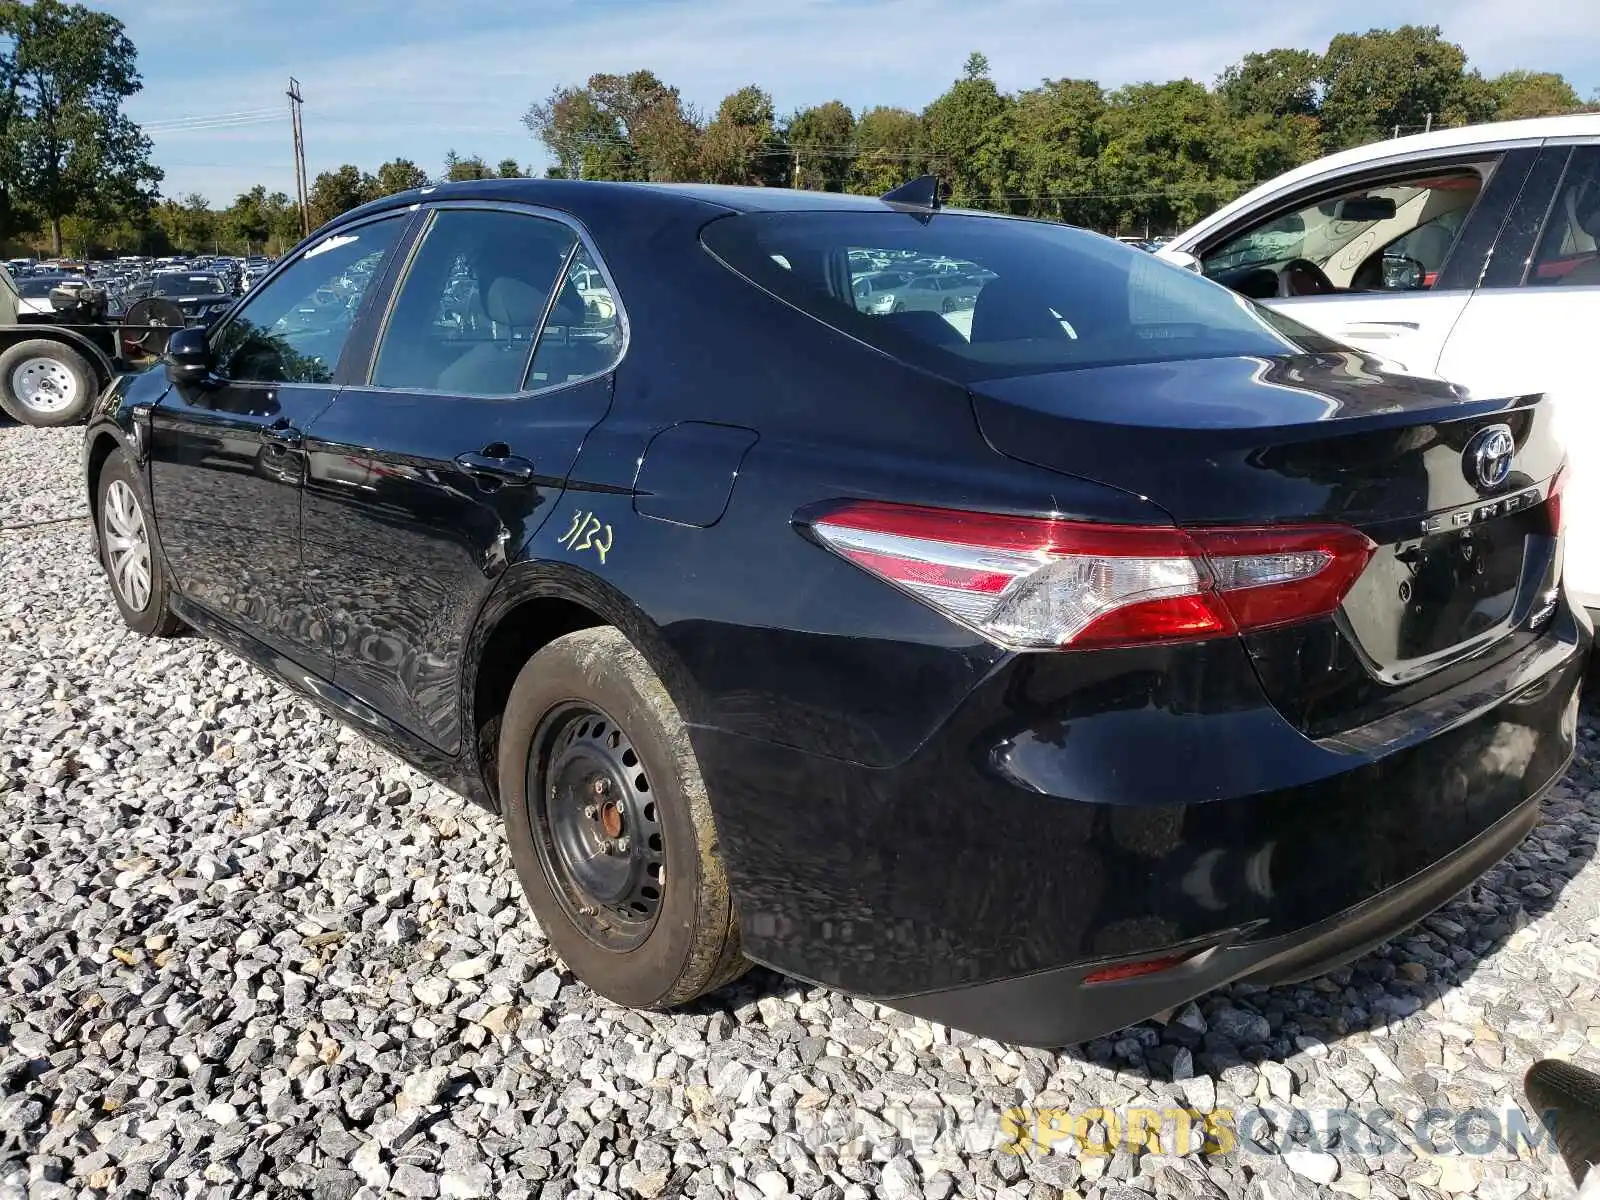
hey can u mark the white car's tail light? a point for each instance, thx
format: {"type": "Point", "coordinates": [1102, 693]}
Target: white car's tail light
{"type": "Point", "coordinates": [1039, 582]}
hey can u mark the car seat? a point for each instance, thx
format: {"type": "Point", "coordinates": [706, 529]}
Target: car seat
{"type": "Point", "coordinates": [495, 368]}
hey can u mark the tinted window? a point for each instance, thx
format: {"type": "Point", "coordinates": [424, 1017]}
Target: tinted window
{"type": "Point", "coordinates": [584, 334]}
{"type": "Point", "coordinates": [1058, 298]}
{"type": "Point", "coordinates": [293, 329]}
{"type": "Point", "coordinates": [39, 286]}
{"type": "Point", "coordinates": [1569, 250]}
{"type": "Point", "coordinates": [186, 285]}
{"type": "Point", "coordinates": [467, 314]}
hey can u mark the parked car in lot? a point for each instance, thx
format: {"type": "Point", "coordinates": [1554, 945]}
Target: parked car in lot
{"type": "Point", "coordinates": [1031, 673]}
{"type": "Point", "coordinates": [944, 292]}
{"type": "Point", "coordinates": [33, 292]}
{"type": "Point", "coordinates": [199, 296]}
{"type": "Point", "coordinates": [1469, 253]}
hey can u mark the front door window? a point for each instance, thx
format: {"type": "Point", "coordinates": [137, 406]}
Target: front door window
{"type": "Point", "coordinates": [1381, 236]}
{"type": "Point", "coordinates": [293, 328]}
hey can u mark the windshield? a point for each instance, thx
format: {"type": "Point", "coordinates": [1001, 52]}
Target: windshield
{"type": "Point", "coordinates": [1341, 233]}
{"type": "Point", "coordinates": [1036, 296]}
{"type": "Point", "coordinates": [186, 285]}
{"type": "Point", "coordinates": [38, 287]}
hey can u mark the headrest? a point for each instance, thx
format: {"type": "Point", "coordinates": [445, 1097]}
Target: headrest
{"type": "Point", "coordinates": [1586, 206]}
{"type": "Point", "coordinates": [1008, 309]}
{"type": "Point", "coordinates": [510, 301]}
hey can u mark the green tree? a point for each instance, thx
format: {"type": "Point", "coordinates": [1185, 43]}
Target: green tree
{"type": "Point", "coordinates": [1057, 140]}
{"type": "Point", "coordinates": [457, 168]}
{"type": "Point", "coordinates": [1163, 164]}
{"type": "Point", "coordinates": [400, 175]}
{"type": "Point", "coordinates": [572, 124]}
{"type": "Point", "coordinates": [663, 131]}
{"type": "Point", "coordinates": [1533, 94]}
{"type": "Point", "coordinates": [509, 169]}
{"type": "Point", "coordinates": [187, 224]}
{"type": "Point", "coordinates": [629, 126]}
{"type": "Point", "coordinates": [283, 222]}
{"type": "Point", "coordinates": [1387, 79]}
{"type": "Point", "coordinates": [245, 222]}
{"type": "Point", "coordinates": [65, 143]}
{"type": "Point", "coordinates": [740, 144]}
{"type": "Point", "coordinates": [968, 134]}
{"type": "Point", "coordinates": [889, 150]}
{"type": "Point", "coordinates": [338, 191]}
{"type": "Point", "coordinates": [823, 139]}
{"type": "Point", "coordinates": [1274, 83]}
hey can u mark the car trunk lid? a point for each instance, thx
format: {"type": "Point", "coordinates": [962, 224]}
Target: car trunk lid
{"type": "Point", "coordinates": [1453, 491]}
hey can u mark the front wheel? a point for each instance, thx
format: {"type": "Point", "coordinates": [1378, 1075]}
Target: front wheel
{"type": "Point", "coordinates": [130, 552]}
{"type": "Point", "coordinates": [610, 828]}
{"type": "Point", "coordinates": [46, 383]}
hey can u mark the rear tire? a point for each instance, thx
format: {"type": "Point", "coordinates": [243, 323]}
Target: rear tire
{"type": "Point", "coordinates": [625, 880]}
{"type": "Point", "coordinates": [1571, 1096]}
{"type": "Point", "coordinates": [130, 553]}
{"type": "Point", "coordinates": [46, 383]}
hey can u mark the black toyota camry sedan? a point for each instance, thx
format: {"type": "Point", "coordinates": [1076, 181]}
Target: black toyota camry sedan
{"type": "Point", "coordinates": [1031, 667]}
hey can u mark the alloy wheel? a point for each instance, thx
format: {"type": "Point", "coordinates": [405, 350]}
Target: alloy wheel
{"type": "Point", "coordinates": [127, 545]}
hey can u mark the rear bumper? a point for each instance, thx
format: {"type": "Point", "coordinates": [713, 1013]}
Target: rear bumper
{"type": "Point", "coordinates": [1058, 1008]}
{"type": "Point", "coordinates": [1084, 810]}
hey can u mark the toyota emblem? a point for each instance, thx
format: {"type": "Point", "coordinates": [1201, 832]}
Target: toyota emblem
{"type": "Point", "coordinates": [1487, 459]}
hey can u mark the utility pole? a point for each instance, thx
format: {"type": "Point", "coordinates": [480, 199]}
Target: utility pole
{"type": "Point", "coordinates": [796, 182]}
{"type": "Point", "coordinates": [295, 101]}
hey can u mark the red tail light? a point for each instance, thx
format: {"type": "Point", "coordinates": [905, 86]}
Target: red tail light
{"type": "Point", "coordinates": [1558, 484]}
{"type": "Point", "coordinates": [1134, 970]}
{"type": "Point", "coordinates": [1038, 583]}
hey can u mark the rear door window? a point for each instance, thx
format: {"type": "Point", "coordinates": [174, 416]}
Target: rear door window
{"type": "Point", "coordinates": [467, 315]}
{"type": "Point", "coordinates": [1033, 296]}
{"type": "Point", "coordinates": [1569, 248]}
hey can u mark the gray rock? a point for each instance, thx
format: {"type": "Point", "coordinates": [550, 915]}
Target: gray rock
{"type": "Point", "coordinates": [465, 1183]}
{"type": "Point", "coordinates": [1240, 1026]}
{"type": "Point", "coordinates": [414, 1182]}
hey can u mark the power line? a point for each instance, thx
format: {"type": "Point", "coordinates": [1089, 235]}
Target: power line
{"type": "Point", "coordinates": [274, 110]}
{"type": "Point", "coordinates": [217, 121]}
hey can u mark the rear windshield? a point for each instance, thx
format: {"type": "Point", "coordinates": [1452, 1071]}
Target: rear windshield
{"type": "Point", "coordinates": [1034, 296]}
{"type": "Point", "coordinates": [186, 285]}
{"type": "Point", "coordinates": [41, 286]}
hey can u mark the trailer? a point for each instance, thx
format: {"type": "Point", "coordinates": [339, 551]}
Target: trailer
{"type": "Point", "coordinates": [54, 365]}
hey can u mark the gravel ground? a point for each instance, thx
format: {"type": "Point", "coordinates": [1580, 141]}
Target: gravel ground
{"type": "Point", "coordinates": [243, 952]}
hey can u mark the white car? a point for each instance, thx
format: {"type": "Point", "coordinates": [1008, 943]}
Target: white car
{"type": "Point", "coordinates": [1470, 254]}
{"type": "Point", "coordinates": [33, 292]}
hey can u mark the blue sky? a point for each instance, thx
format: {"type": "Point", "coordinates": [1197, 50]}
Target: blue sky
{"type": "Point", "coordinates": [418, 77]}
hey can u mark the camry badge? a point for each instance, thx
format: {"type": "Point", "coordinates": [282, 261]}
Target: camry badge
{"type": "Point", "coordinates": [1487, 459]}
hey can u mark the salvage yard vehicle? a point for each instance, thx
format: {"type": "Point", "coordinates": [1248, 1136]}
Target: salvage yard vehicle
{"type": "Point", "coordinates": [63, 338]}
{"type": "Point", "coordinates": [1032, 673]}
{"type": "Point", "coordinates": [1472, 254]}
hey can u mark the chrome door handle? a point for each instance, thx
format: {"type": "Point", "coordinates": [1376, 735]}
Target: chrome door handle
{"type": "Point", "coordinates": [282, 436]}
{"type": "Point", "coordinates": [506, 468]}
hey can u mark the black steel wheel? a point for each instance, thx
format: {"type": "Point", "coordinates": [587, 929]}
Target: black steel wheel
{"type": "Point", "coordinates": [597, 828]}
{"type": "Point", "coordinates": [610, 827]}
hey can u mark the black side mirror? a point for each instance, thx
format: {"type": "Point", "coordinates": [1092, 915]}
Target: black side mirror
{"type": "Point", "coordinates": [188, 355]}
{"type": "Point", "coordinates": [1402, 273]}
